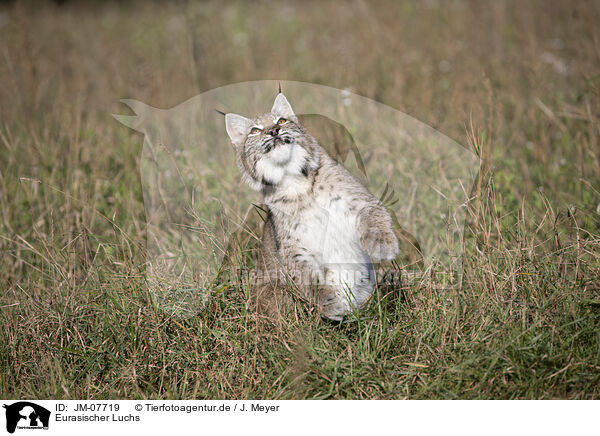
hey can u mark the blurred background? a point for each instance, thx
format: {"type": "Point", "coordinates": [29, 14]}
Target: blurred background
{"type": "Point", "coordinates": [523, 76]}
{"type": "Point", "coordinates": [516, 82]}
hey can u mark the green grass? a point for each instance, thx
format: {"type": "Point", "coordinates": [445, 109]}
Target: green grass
{"type": "Point", "coordinates": [76, 319]}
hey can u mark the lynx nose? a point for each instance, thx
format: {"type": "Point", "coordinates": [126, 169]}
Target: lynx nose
{"type": "Point", "coordinates": [273, 131]}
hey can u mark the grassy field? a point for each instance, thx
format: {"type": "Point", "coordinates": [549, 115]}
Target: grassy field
{"type": "Point", "coordinates": [518, 82]}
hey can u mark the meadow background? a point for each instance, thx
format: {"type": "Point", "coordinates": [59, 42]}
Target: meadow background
{"type": "Point", "coordinates": [517, 82]}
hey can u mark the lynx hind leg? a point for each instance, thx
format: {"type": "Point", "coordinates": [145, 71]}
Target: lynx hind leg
{"type": "Point", "coordinates": [276, 285]}
{"type": "Point", "coordinates": [276, 297]}
{"type": "Point", "coordinates": [270, 298]}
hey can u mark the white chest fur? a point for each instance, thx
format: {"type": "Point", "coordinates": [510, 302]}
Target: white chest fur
{"type": "Point", "coordinates": [327, 229]}
{"type": "Point", "coordinates": [319, 228]}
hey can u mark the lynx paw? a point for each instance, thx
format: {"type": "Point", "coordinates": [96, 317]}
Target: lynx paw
{"type": "Point", "coordinates": [331, 306]}
{"type": "Point", "coordinates": [379, 244]}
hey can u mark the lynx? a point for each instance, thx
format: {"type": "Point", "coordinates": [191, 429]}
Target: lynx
{"type": "Point", "coordinates": [323, 229]}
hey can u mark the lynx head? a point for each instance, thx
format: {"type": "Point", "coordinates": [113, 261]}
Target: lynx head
{"type": "Point", "coordinates": [272, 146]}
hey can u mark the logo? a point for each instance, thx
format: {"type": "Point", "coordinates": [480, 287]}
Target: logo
{"type": "Point", "coordinates": [26, 415]}
{"type": "Point", "coordinates": [199, 211]}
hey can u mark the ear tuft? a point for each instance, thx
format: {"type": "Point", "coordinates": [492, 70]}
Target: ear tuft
{"type": "Point", "coordinates": [237, 128]}
{"type": "Point", "coordinates": [282, 107]}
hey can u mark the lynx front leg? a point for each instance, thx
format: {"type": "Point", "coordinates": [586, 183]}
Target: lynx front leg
{"type": "Point", "coordinates": [376, 233]}
{"type": "Point", "coordinates": [331, 303]}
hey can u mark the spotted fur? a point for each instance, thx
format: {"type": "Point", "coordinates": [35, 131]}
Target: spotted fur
{"type": "Point", "coordinates": [323, 228]}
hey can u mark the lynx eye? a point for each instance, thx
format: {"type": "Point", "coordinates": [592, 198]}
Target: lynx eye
{"type": "Point", "coordinates": [282, 121]}
{"type": "Point", "coordinates": [255, 130]}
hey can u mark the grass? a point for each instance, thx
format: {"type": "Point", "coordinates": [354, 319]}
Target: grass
{"type": "Point", "coordinates": [518, 83]}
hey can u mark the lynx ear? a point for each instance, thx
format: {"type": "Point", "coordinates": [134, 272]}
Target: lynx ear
{"type": "Point", "coordinates": [237, 127]}
{"type": "Point", "coordinates": [282, 107]}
